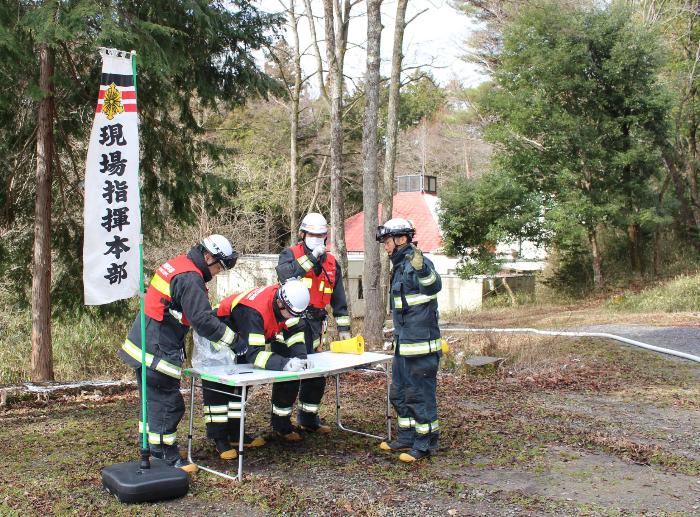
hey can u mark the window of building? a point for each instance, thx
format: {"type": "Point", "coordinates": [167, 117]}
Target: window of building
{"type": "Point", "coordinates": [416, 183]}
{"type": "Point", "coordinates": [430, 184]}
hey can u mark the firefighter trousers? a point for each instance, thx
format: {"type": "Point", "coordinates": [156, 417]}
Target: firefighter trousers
{"type": "Point", "coordinates": [165, 407]}
{"type": "Point", "coordinates": [311, 390]}
{"type": "Point", "coordinates": [283, 396]}
{"type": "Point", "coordinates": [222, 411]}
{"type": "Point", "coordinates": [413, 395]}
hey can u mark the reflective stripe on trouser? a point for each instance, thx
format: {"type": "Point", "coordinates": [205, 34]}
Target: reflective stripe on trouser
{"type": "Point", "coordinates": [165, 406]}
{"type": "Point", "coordinates": [161, 365]}
{"type": "Point", "coordinates": [283, 396]}
{"type": "Point", "coordinates": [406, 422]}
{"type": "Point", "coordinates": [420, 348]}
{"type": "Point", "coordinates": [155, 438]}
{"type": "Point", "coordinates": [413, 395]}
{"type": "Point", "coordinates": [222, 411]}
{"type": "Point", "coordinates": [310, 395]}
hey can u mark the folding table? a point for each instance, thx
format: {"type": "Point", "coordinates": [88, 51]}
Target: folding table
{"type": "Point", "coordinates": [326, 364]}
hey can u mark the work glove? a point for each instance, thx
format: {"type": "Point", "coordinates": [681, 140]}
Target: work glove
{"type": "Point", "coordinates": [344, 334]}
{"type": "Point", "coordinates": [225, 350]}
{"type": "Point", "coordinates": [309, 364]}
{"type": "Point", "coordinates": [319, 250]}
{"type": "Point", "coordinates": [416, 258]}
{"type": "Point", "coordinates": [295, 365]}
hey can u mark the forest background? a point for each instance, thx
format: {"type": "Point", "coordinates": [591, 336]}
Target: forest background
{"type": "Point", "coordinates": [582, 137]}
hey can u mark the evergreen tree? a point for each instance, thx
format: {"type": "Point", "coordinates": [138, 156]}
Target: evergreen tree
{"type": "Point", "coordinates": [577, 114]}
{"type": "Point", "coordinates": [194, 56]}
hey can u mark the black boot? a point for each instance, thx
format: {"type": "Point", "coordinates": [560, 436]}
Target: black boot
{"type": "Point", "coordinates": [414, 455]}
{"type": "Point", "coordinates": [223, 447]}
{"type": "Point", "coordinates": [312, 423]}
{"type": "Point", "coordinates": [394, 446]}
{"type": "Point", "coordinates": [248, 440]}
{"type": "Point", "coordinates": [171, 455]}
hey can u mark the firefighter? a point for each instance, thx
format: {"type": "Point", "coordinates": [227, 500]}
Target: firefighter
{"type": "Point", "coordinates": [417, 343]}
{"type": "Point", "coordinates": [321, 273]}
{"type": "Point", "coordinates": [258, 316]}
{"type": "Point", "coordinates": [175, 300]}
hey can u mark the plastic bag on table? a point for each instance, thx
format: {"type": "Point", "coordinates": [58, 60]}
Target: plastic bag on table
{"type": "Point", "coordinates": [206, 357]}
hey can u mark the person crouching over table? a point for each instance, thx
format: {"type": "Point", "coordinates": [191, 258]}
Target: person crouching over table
{"type": "Point", "coordinates": [257, 316]}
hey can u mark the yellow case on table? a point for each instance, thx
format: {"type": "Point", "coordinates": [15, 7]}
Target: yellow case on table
{"type": "Point", "coordinates": [355, 345]}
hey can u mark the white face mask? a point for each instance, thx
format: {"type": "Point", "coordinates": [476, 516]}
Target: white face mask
{"type": "Point", "coordinates": [313, 242]}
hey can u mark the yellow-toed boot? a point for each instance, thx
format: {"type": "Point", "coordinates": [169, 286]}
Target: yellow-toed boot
{"type": "Point", "coordinates": [226, 452]}
{"type": "Point", "coordinates": [250, 441]}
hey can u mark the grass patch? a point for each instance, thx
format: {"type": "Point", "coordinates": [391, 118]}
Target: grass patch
{"type": "Point", "coordinates": [84, 346]}
{"type": "Point", "coordinates": [678, 295]}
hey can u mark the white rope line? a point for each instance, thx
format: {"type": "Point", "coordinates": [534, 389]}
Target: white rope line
{"type": "Point", "coordinates": [615, 337]}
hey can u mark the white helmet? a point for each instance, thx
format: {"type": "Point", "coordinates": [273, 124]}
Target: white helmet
{"type": "Point", "coordinates": [314, 223]}
{"type": "Point", "coordinates": [395, 227]}
{"type": "Point", "coordinates": [221, 250]}
{"type": "Point", "coordinates": [295, 296]}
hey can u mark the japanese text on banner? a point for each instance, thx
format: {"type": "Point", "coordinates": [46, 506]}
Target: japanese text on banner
{"type": "Point", "coordinates": [112, 218]}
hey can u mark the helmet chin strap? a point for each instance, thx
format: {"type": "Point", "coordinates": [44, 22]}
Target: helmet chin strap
{"type": "Point", "coordinates": [277, 310]}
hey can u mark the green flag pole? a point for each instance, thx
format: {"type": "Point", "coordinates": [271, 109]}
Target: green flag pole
{"type": "Point", "coordinates": [142, 294]}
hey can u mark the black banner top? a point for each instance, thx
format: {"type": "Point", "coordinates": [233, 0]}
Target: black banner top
{"type": "Point", "coordinates": [117, 79]}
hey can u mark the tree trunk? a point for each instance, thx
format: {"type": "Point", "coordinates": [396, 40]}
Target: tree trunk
{"type": "Point", "coordinates": [656, 259]}
{"type": "Point", "coordinates": [42, 355]}
{"type": "Point", "coordinates": [294, 129]}
{"type": "Point", "coordinates": [317, 51]}
{"type": "Point", "coordinates": [635, 254]}
{"type": "Point", "coordinates": [691, 167]}
{"type": "Point", "coordinates": [335, 73]}
{"type": "Point", "coordinates": [504, 282]}
{"type": "Point", "coordinates": [374, 310]}
{"type": "Point", "coordinates": [597, 271]}
{"type": "Point", "coordinates": [392, 129]}
{"type": "Point", "coordinates": [686, 220]}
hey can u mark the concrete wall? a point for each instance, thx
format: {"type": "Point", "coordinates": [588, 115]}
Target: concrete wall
{"type": "Point", "coordinates": [250, 271]}
{"type": "Point", "coordinates": [258, 270]}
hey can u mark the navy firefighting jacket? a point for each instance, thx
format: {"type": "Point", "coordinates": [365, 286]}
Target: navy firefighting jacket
{"type": "Point", "coordinates": [414, 305]}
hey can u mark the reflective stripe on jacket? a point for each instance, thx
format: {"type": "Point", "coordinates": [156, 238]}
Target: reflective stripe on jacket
{"type": "Point", "coordinates": [260, 299]}
{"type": "Point", "coordinates": [414, 306]}
{"type": "Point", "coordinates": [158, 296]}
{"type": "Point", "coordinates": [320, 285]}
{"type": "Point", "coordinates": [156, 363]}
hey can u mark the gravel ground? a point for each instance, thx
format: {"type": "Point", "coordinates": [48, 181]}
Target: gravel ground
{"type": "Point", "coordinates": [683, 339]}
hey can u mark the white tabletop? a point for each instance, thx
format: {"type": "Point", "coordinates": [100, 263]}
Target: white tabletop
{"type": "Point", "coordinates": [325, 364]}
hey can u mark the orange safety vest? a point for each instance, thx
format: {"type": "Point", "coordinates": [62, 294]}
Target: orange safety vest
{"type": "Point", "coordinates": [158, 294]}
{"type": "Point", "coordinates": [320, 286]}
{"type": "Point", "coordinates": [260, 299]}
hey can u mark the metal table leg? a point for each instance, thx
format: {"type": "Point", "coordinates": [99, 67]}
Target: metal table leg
{"type": "Point", "coordinates": [241, 435]}
{"type": "Point", "coordinates": [189, 433]}
{"type": "Point", "coordinates": [338, 421]}
{"type": "Point", "coordinates": [189, 441]}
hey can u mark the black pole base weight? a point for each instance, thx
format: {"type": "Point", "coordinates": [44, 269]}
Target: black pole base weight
{"type": "Point", "coordinates": [130, 483]}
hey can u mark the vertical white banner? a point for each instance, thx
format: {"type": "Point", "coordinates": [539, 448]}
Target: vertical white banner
{"type": "Point", "coordinates": [112, 218]}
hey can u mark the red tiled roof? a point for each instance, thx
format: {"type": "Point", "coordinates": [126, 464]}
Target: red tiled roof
{"type": "Point", "coordinates": [409, 205]}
